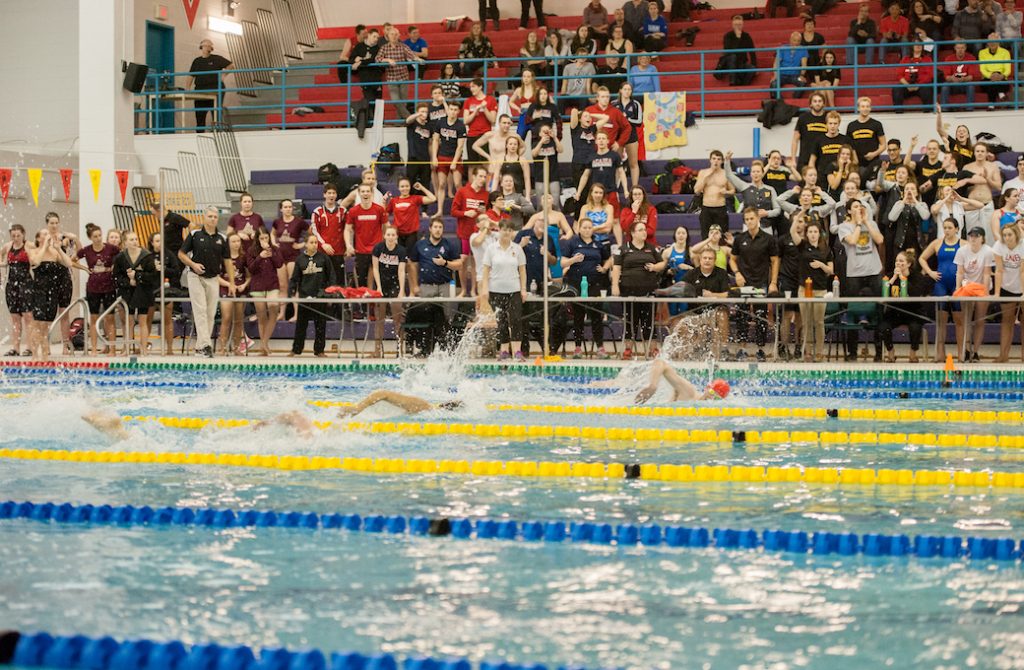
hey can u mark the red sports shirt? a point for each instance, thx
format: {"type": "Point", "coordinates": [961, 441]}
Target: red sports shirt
{"type": "Point", "coordinates": [406, 212]}
{"type": "Point", "coordinates": [465, 206]}
{"type": "Point", "coordinates": [328, 227]}
{"type": "Point", "coordinates": [368, 224]}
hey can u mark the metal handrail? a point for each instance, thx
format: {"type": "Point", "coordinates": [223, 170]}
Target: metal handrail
{"type": "Point", "coordinates": [107, 312]}
{"type": "Point", "coordinates": [706, 68]}
{"type": "Point", "coordinates": [67, 310]}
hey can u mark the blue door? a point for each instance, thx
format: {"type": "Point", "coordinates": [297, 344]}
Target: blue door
{"type": "Point", "coordinates": [160, 59]}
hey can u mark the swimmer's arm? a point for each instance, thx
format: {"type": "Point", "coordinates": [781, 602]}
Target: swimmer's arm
{"type": "Point", "coordinates": [684, 390]}
{"type": "Point", "coordinates": [107, 423]}
{"type": "Point", "coordinates": [410, 404]}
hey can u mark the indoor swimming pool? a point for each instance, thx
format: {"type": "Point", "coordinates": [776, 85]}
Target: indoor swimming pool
{"type": "Point", "coordinates": [807, 520]}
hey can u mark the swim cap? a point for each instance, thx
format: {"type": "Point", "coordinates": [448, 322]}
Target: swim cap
{"type": "Point", "coordinates": [719, 387]}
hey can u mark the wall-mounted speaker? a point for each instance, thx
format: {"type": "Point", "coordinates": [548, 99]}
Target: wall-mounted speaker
{"type": "Point", "coordinates": [135, 77]}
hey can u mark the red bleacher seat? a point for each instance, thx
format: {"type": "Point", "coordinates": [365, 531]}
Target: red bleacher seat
{"type": "Point", "coordinates": [684, 64]}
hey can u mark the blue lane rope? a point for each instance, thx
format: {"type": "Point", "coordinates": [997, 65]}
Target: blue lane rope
{"type": "Point", "coordinates": [78, 652]}
{"type": "Point", "coordinates": [798, 542]}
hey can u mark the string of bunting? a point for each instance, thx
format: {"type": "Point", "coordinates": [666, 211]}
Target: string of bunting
{"type": "Point", "coordinates": [34, 177]}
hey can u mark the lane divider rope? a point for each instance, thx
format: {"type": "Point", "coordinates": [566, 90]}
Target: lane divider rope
{"type": "Point", "coordinates": [625, 534]}
{"type": "Point", "coordinates": [810, 413]}
{"type": "Point", "coordinates": [649, 471]}
{"type": "Point", "coordinates": [629, 434]}
{"type": "Point", "coordinates": [78, 652]}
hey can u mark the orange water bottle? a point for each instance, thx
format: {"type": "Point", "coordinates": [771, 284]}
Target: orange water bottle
{"type": "Point", "coordinates": [808, 288]}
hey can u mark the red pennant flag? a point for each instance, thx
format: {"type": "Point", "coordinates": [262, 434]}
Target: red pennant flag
{"type": "Point", "coordinates": [65, 180]}
{"type": "Point", "coordinates": [191, 8]}
{"type": "Point", "coordinates": [122, 182]}
{"type": "Point", "coordinates": [5, 183]}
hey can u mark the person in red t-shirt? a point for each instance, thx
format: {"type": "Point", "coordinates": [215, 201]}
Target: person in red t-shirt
{"type": "Point", "coordinates": [640, 210]}
{"type": "Point", "coordinates": [617, 126]}
{"type": "Point", "coordinates": [326, 225]}
{"type": "Point", "coordinates": [407, 208]}
{"type": "Point", "coordinates": [915, 79]}
{"type": "Point", "coordinates": [365, 223]}
{"type": "Point", "coordinates": [894, 27]}
{"type": "Point", "coordinates": [960, 71]}
{"type": "Point", "coordinates": [479, 112]}
{"type": "Point", "coordinates": [470, 202]}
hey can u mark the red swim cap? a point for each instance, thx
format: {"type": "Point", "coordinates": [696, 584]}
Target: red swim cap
{"type": "Point", "coordinates": [719, 387]}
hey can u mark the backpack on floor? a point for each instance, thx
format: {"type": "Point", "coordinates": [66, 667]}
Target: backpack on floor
{"type": "Point", "coordinates": [76, 333]}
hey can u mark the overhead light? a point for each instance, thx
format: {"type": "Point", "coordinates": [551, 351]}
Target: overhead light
{"type": "Point", "coordinates": [220, 25]}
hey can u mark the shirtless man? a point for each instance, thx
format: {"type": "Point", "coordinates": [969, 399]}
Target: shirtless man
{"type": "Point", "coordinates": [397, 404]}
{"type": "Point", "coordinates": [713, 187]}
{"type": "Point", "coordinates": [985, 181]}
{"type": "Point", "coordinates": [491, 145]}
{"type": "Point", "coordinates": [682, 390]}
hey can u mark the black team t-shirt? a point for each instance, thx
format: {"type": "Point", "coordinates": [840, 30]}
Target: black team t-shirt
{"type": "Point", "coordinates": [417, 136]}
{"type": "Point", "coordinates": [810, 127]}
{"type": "Point", "coordinates": [450, 135]}
{"type": "Point", "coordinates": [864, 136]}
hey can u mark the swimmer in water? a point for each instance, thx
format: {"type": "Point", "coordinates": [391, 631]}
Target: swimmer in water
{"type": "Point", "coordinates": [399, 402]}
{"type": "Point", "coordinates": [683, 391]}
{"type": "Point", "coordinates": [108, 423]}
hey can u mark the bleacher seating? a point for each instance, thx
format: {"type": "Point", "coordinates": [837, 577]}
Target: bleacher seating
{"type": "Point", "coordinates": [684, 63]}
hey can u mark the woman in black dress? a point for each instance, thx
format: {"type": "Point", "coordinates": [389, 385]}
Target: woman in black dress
{"type": "Point", "coordinates": [14, 257]}
{"type": "Point", "coordinates": [50, 268]}
{"type": "Point", "coordinates": [137, 278]}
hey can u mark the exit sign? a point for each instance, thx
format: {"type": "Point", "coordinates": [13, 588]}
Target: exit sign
{"type": "Point", "coordinates": [160, 12]}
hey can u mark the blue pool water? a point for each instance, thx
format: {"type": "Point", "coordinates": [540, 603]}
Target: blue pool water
{"type": "Point", "coordinates": [637, 607]}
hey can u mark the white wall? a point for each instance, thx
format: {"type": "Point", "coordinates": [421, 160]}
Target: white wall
{"type": "Point", "coordinates": [351, 12]}
{"type": "Point", "coordinates": [297, 149]}
{"type": "Point", "coordinates": [39, 74]}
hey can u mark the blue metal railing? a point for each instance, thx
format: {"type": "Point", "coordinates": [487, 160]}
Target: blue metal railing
{"type": "Point", "coordinates": [496, 74]}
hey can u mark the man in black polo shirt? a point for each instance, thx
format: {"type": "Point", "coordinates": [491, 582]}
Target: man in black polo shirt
{"type": "Point", "coordinates": [213, 82]}
{"type": "Point", "coordinates": [755, 263]}
{"type": "Point", "coordinates": [810, 125]}
{"type": "Point", "coordinates": [205, 253]}
{"type": "Point", "coordinates": [711, 281]}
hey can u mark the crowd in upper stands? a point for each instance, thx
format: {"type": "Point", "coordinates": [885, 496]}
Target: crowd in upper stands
{"type": "Point", "coordinates": [849, 211]}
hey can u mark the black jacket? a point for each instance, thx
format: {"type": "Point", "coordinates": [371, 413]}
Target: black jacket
{"type": "Point", "coordinates": [311, 276]}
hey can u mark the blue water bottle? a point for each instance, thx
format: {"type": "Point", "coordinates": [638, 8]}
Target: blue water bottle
{"type": "Point", "coordinates": [584, 287]}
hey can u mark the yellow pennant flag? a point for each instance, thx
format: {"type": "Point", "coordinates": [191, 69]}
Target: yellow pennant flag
{"type": "Point", "coordinates": [94, 179]}
{"type": "Point", "coordinates": [35, 175]}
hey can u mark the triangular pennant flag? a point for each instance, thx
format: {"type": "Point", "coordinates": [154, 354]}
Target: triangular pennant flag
{"type": "Point", "coordinates": [65, 180]}
{"type": "Point", "coordinates": [35, 176]}
{"type": "Point", "coordinates": [191, 7]}
{"type": "Point", "coordinates": [122, 182]}
{"type": "Point", "coordinates": [5, 183]}
{"type": "Point", "coordinates": [94, 178]}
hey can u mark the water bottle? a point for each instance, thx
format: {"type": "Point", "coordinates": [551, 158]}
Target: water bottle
{"type": "Point", "coordinates": [903, 287]}
{"type": "Point", "coordinates": [743, 170]}
{"type": "Point", "coordinates": [885, 287]}
{"type": "Point", "coordinates": [533, 287]}
{"type": "Point", "coordinates": [584, 287]}
{"type": "Point", "coordinates": [835, 286]}
{"type": "Point", "coordinates": [451, 288]}
{"type": "Point", "coordinates": [808, 288]}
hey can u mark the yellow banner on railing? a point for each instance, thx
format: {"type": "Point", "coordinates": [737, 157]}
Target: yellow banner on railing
{"type": "Point", "coordinates": [664, 120]}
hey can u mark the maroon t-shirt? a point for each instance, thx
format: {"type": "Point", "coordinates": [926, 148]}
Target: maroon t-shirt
{"type": "Point", "coordinates": [241, 274]}
{"type": "Point", "coordinates": [264, 271]}
{"type": "Point", "coordinates": [239, 222]}
{"type": "Point", "coordinates": [101, 262]}
{"type": "Point", "coordinates": [295, 228]}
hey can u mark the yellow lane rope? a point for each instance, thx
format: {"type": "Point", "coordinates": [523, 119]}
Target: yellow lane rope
{"type": "Point", "coordinates": [936, 415]}
{"type": "Point", "coordinates": [490, 468]}
{"type": "Point", "coordinates": [630, 434]}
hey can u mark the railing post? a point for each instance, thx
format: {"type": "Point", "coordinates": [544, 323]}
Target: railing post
{"type": "Point", "coordinates": [1015, 82]}
{"type": "Point", "coordinates": [284, 96]}
{"type": "Point", "coordinates": [703, 74]}
{"type": "Point", "coordinates": [154, 116]}
{"type": "Point", "coordinates": [856, 71]}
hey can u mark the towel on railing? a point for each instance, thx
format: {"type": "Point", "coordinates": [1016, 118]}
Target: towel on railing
{"type": "Point", "coordinates": [664, 120]}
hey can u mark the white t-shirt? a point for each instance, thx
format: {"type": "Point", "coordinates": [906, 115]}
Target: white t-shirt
{"type": "Point", "coordinates": [1011, 265]}
{"type": "Point", "coordinates": [974, 264]}
{"type": "Point", "coordinates": [478, 253]}
{"type": "Point", "coordinates": [504, 264]}
{"type": "Point", "coordinates": [956, 212]}
{"type": "Point", "coordinates": [862, 259]}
